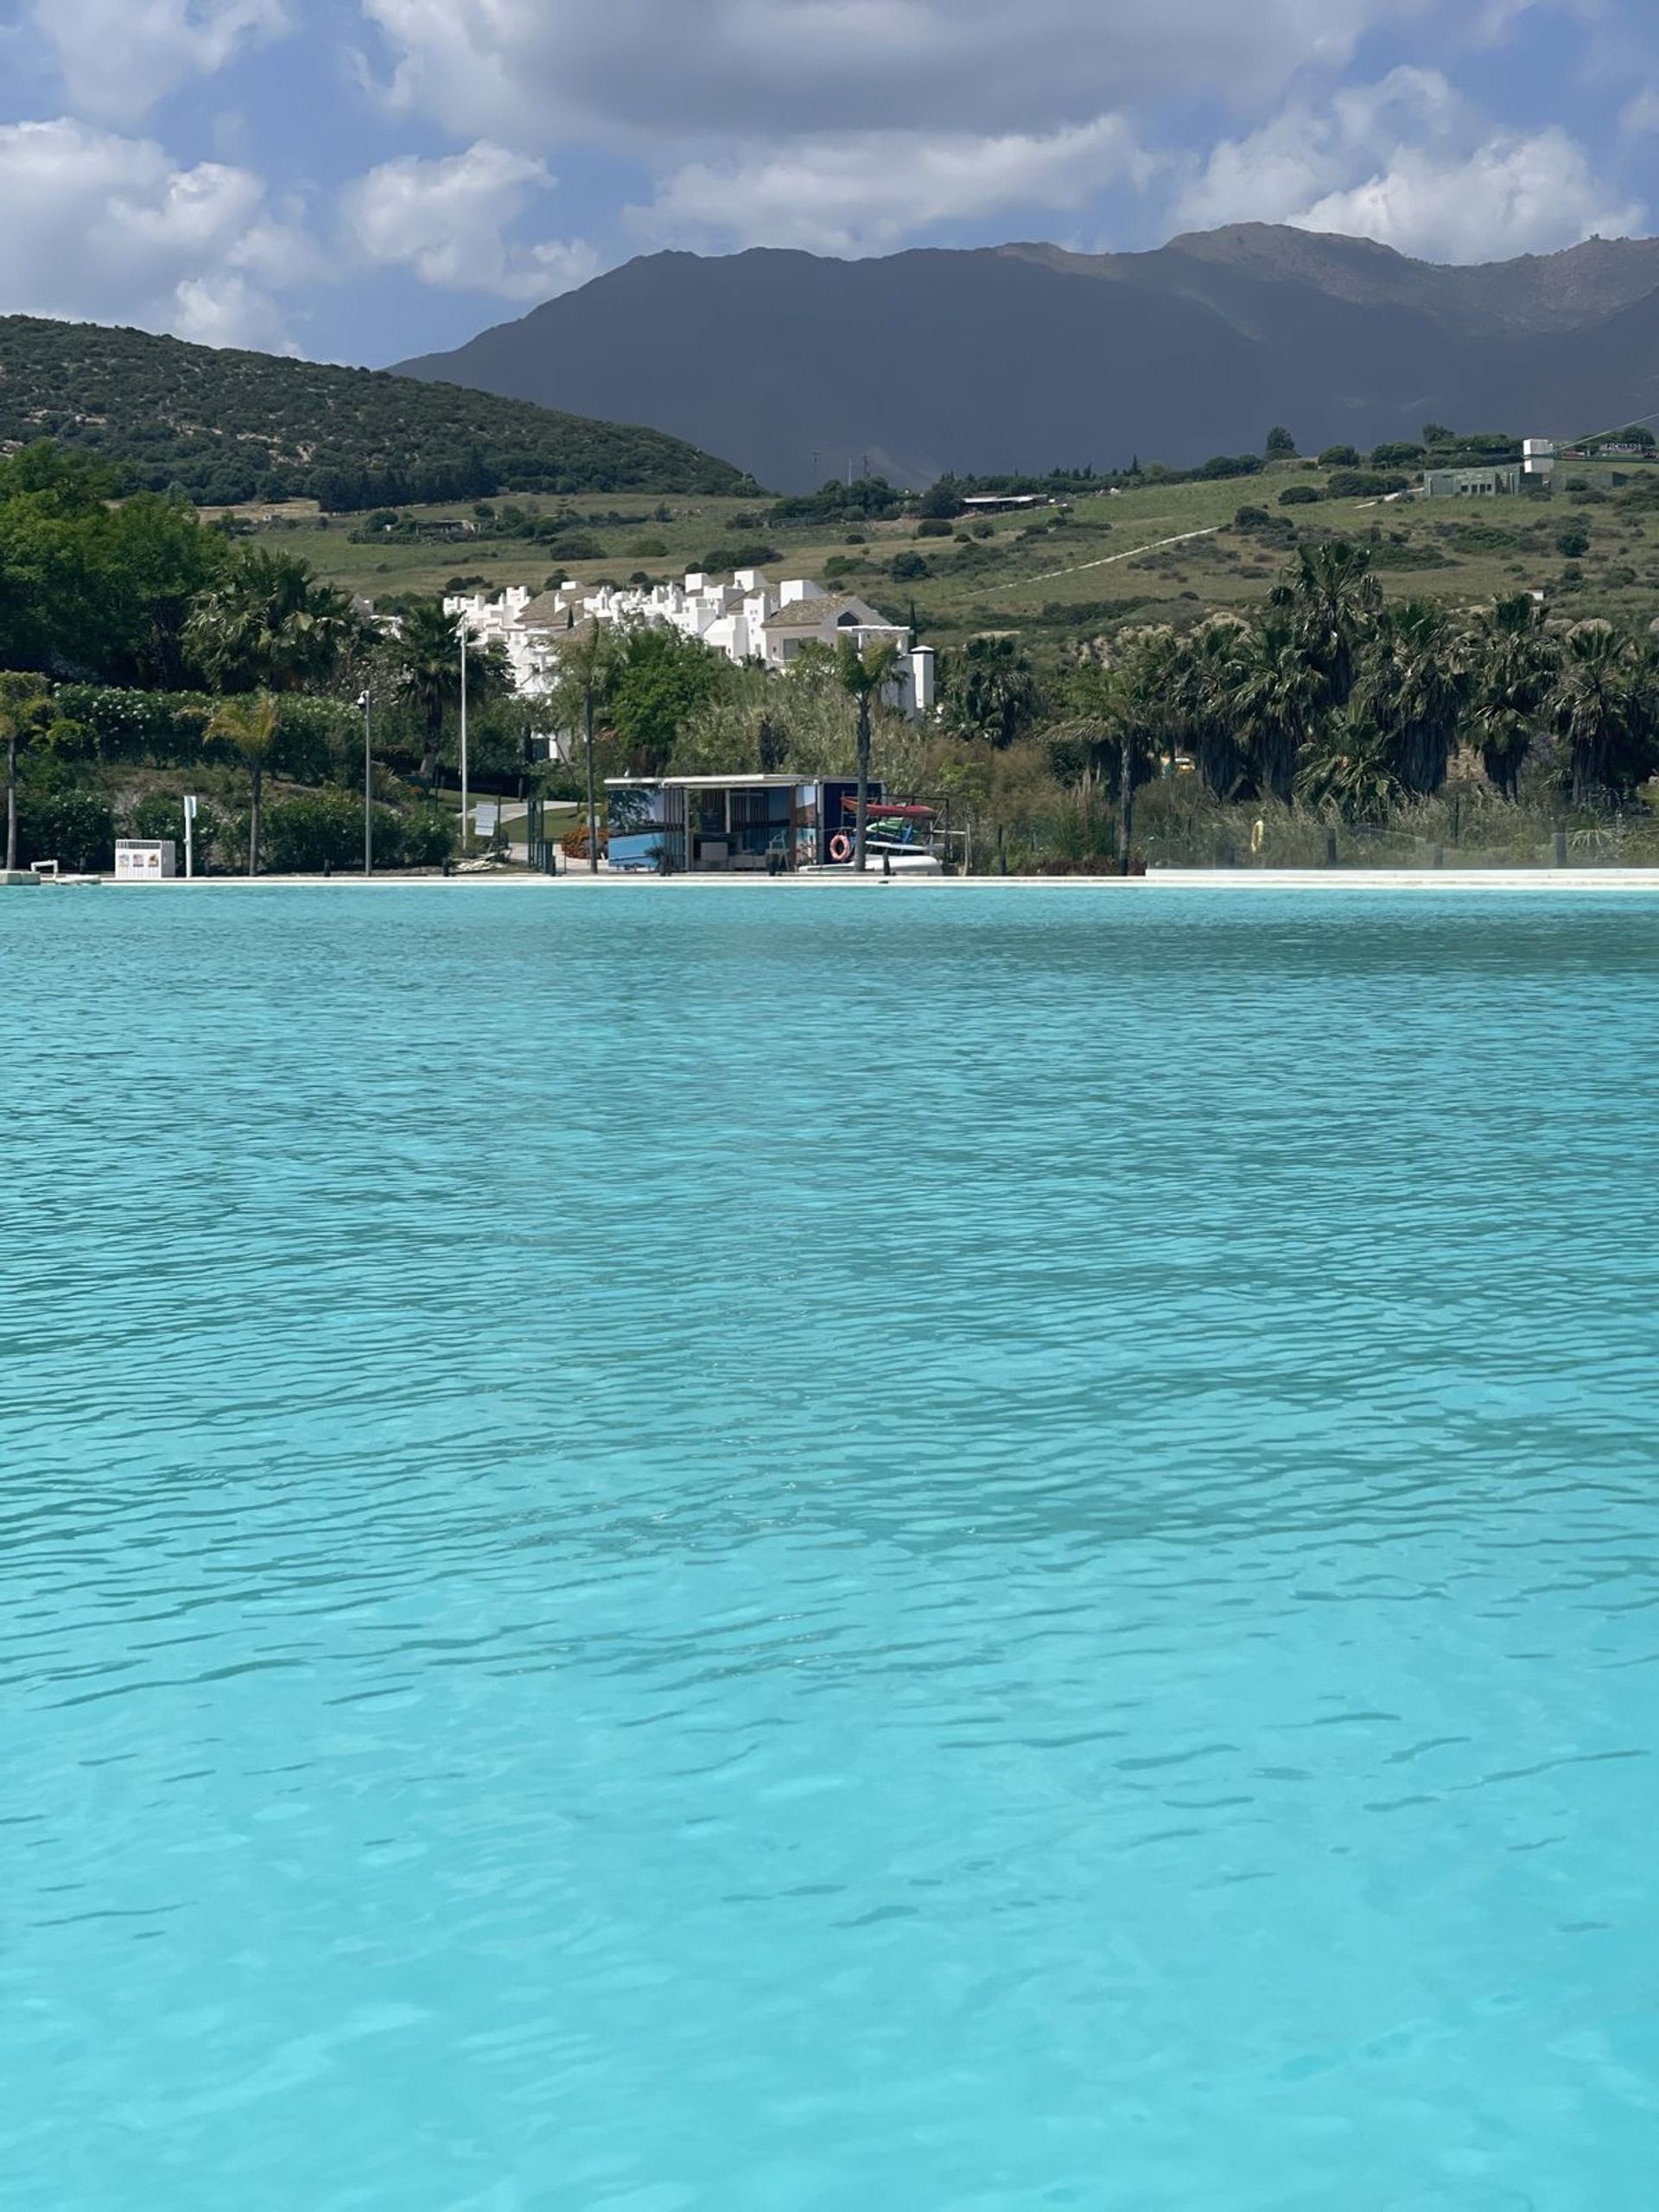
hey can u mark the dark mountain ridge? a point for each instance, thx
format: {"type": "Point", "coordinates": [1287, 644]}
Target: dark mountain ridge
{"type": "Point", "coordinates": [1022, 357]}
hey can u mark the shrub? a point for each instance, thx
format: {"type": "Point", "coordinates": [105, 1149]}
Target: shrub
{"type": "Point", "coordinates": [163, 729]}
{"type": "Point", "coordinates": [161, 815]}
{"type": "Point", "coordinates": [426, 837]}
{"type": "Point", "coordinates": [749, 554]}
{"type": "Point", "coordinates": [1573, 543]}
{"type": "Point", "coordinates": [1363, 484]}
{"type": "Point", "coordinates": [1402, 455]}
{"type": "Point", "coordinates": [1479, 537]}
{"type": "Point", "coordinates": [649, 549]}
{"type": "Point", "coordinates": [574, 545]}
{"type": "Point", "coordinates": [933, 527]}
{"type": "Point", "coordinates": [1251, 519]}
{"type": "Point", "coordinates": [1300, 495]}
{"type": "Point", "coordinates": [1339, 457]}
{"type": "Point", "coordinates": [314, 831]}
{"type": "Point", "coordinates": [907, 568]}
{"type": "Point", "coordinates": [939, 502]}
{"type": "Point", "coordinates": [75, 828]}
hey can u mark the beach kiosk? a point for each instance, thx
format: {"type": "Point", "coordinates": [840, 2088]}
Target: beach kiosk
{"type": "Point", "coordinates": [733, 824]}
{"type": "Point", "coordinates": [145, 859]}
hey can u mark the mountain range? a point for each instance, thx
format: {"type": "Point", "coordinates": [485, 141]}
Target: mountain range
{"type": "Point", "coordinates": [1022, 357]}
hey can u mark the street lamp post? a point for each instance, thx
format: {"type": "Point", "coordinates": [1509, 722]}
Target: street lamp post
{"type": "Point", "coordinates": [368, 790]}
{"type": "Point", "coordinates": [466, 818]}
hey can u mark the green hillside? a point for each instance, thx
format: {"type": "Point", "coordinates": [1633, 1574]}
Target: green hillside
{"type": "Point", "coordinates": [230, 426]}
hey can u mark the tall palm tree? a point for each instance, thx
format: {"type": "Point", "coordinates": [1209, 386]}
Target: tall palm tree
{"type": "Point", "coordinates": [26, 710]}
{"type": "Point", "coordinates": [1201, 684]}
{"type": "Point", "coordinates": [1413, 682]}
{"type": "Point", "coordinates": [1594, 709]}
{"type": "Point", "coordinates": [1331, 601]}
{"type": "Point", "coordinates": [251, 727]}
{"type": "Point", "coordinates": [588, 667]}
{"type": "Point", "coordinates": [1516, 667]}
{"type": "Point", "coordinates": [269, 624]}
{"type": "Point", "coordinates": [1277, 697]}
{"type": "Point", "coordinates": [427, 657]}
{"type": "Point", "coordinates": [1119, 705]}
{"type": "Point", "coordinates": [863, 676]}
{"type": "Point", "coordinates": [992, 692]}
{"type": "Point", "coordinates": [1349, 768]}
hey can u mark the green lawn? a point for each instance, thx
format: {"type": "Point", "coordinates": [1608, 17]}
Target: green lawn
{"type": "Point", "coordinates": [1069, 577]}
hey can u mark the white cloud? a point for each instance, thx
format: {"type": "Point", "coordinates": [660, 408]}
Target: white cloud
{"type": "Point", "coordinates": [118, 58]}
{"type": "Point", "coordinates": [447, 220]}
{"type": "Point", "coordinates": [638, 73]}
{"type": "Point", "coordinates": [865, 193]}
{"type": "Point", "coordinates": [1407, 162]}
{"type": "Point", "coordinates": [1512, 194]}
{"type": "Point", "coordinates": [118, 232]}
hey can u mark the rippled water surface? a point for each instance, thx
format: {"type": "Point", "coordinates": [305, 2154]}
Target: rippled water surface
{"type": "Point", "coordinates": [733, 1550]}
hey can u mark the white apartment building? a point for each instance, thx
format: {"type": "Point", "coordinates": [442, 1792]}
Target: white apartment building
{"type": "Point", "coordinates": [747, 620]}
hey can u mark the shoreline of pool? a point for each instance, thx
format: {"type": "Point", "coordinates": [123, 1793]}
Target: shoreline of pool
{"type": "Point", "coordinates": [1585, 880]}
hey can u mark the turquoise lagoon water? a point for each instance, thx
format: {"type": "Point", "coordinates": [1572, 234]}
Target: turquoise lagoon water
{"type": "Point", "coordinates": [712, 1548]}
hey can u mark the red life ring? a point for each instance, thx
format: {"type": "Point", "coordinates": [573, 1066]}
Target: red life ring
{"type": "Point", "coordinates": [841, 847]}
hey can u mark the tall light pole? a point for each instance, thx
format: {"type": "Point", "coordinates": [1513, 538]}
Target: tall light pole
{"type": "Point", "coordinates": [368, 790]}
{"type": "Point", "coordinates": [466, 827]}
{"type": "Point", "coordinates": [593, 800]}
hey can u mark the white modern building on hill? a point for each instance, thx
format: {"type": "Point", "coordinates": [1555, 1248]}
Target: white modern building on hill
{"type": "Point", "coordinates": [746, 619]}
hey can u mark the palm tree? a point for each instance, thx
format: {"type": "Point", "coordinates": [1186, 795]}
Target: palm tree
{"type": "Point", "coordinates": [1277, 697]}
{"type": "Point", "coordinates": [428, 658]}
{"type": "Point", "coordinates": [1593, 708]}
{"type": "Point", "coordinates": [588, 665]}
{"type": "Point", "coordinates": [1349, 768]}
{"type": "Point", "coordinates": [1413, 682]}
{"type": "Point", "coordinates": [1516, 667]}
{"type": "Point", "coordinates": [1119, 712]}
{"type": "Point", "coordinates": [992, 692]}
{"type": "Point", "coordinates": [1331, 601]}
{"type": "Point", "coordinates": [864, 675]}
{"type": "Point", "coordinates": [1201, 682]}
{"type": "Point", "coordinates": [25, 710]}
{"type": "Point", "coordinates": [269, 624]}
{"type": "Point", "coordinates": [251, 726]}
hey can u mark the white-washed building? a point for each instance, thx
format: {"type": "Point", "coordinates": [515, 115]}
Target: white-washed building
{"type": "Point", "coordinates": [747, 619]}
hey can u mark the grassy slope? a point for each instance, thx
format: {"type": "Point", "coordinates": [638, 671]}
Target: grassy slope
{"type": "Point", "coordinates": [1434, 549]}
{"type": "Point", "coordinates": [201, 417]}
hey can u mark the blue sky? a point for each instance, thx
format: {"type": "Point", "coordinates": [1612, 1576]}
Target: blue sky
{"type": "Point", "coordinates": [361, 180]}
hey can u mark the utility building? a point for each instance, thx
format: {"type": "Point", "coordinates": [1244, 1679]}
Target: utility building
{"type": "Point", "coordinates": [1487, 483]}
